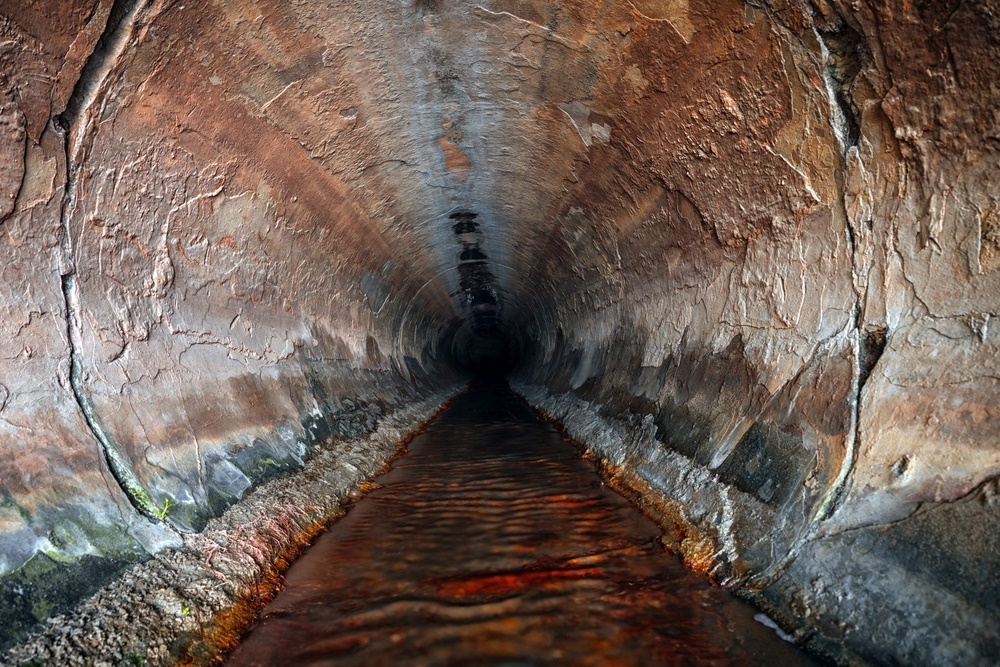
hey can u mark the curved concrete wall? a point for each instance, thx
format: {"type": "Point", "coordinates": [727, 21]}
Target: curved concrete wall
{"type": "Point", "coordinates": [758, 239]}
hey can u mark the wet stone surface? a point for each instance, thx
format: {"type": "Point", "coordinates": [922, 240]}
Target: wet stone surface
{"type": "Point", "coordinates": [494, 543]}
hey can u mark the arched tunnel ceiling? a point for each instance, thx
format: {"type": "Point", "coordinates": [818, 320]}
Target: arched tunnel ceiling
{"type": "Point", "coordinates": [766, 232]}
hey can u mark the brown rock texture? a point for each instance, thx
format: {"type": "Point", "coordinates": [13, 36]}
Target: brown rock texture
{"type": "Point", "coordinates": [748, 252]}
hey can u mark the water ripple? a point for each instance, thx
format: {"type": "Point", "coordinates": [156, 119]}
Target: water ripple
{"type": "Point", "coordinates": [493, 543]}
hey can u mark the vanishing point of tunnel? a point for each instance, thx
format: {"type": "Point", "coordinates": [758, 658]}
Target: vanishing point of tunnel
{"type": "Point", "coordinates": [731, 269]}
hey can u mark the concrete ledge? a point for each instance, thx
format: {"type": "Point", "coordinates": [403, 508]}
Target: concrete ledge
{"type": "Point", "coordinates": [914, 592]}
{"type": "Point", "coordinates": [193, 602]}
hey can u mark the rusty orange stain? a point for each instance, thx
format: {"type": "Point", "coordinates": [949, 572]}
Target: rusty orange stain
{"type": "Point", "coordinates": [696, 549]}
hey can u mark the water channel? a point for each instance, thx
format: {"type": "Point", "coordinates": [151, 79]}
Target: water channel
{"type": "Point", "coordinates": [492, 542]}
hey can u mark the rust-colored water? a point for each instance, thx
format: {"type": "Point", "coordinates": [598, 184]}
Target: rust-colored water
{"type": "Point", "coordinates": [493, 543]}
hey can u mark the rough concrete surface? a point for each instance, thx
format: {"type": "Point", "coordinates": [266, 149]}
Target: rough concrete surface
{"type": "Point", "coordinates": [764, 235]}
{"type": "Point", "coordinates": [904, 593]}
{"type": "Point", "coordinates": [190, 603]}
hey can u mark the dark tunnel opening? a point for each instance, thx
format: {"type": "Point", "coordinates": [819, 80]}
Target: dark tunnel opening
{"type": "Point", "coordinates": [485, 350]}
{"type": "Point", "coordinates": [483, 344]}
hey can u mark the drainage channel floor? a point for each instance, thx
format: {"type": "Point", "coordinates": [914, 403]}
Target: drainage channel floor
{"type": "Point", "coordinates": [492, 542]}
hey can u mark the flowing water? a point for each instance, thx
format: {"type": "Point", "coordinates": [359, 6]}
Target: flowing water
{"type": "Point", "coordinates": [494, 543]}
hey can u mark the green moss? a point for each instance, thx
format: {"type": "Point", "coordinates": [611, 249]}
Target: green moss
{"type": "Point", "coordinates": [164, 510]}
{"type": "Point", "coordinates": [217, 503]}
{"type": "Point", "coordinates": [41, 609]}
{"type": "Point", "coordinates": [76, 532]}
{"type": "Point", "coordinates": [43, 587]}
{"type": "Point", "coordinates": [57, 556]}
{"type": "Point", "coordinates": [260, 468]}
{"type": "Point", "coordinates": [141, 496]}
{"type": "Point", "coordinates": [38, 566]}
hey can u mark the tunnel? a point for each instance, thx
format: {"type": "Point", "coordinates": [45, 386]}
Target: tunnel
{"type": "Point", "coordinates": [746, 253]}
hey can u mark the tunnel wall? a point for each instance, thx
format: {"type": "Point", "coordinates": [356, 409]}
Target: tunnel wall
{"type": "Point", "coordinates": [192, 303]}
{"type": "Point", "coordinates": [796, 361]}
{"type": "Point", "coordinates": [755, 242]}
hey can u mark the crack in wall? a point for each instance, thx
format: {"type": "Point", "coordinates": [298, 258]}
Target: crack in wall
{"type": "Point", "coordinates": [838, 490]}
{"type": "Point", "coordinates": [72, 126]}
{"type": "Point", "coordinates": [844, 53]}
{"type": "Point", "coordinates": [109, 48]}
{"type": "Point", "coordinates": [120, 468]}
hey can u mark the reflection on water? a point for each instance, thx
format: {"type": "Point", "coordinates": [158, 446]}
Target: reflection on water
{"type": "Point", "coordinates": [493, 543]}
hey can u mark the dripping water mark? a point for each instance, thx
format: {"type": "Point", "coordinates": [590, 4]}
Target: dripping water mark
{"type": "Point", "coordinates": [465, 222]}
{"type": "Point", "coordinates": [472, 253]}
{"type": "Point", "coordinates": [477, 281]}
{"type": "Point", "coordinates": [871, 345]}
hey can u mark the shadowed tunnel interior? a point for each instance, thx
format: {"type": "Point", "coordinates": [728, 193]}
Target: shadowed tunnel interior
{"type": "Point", "coordinates": [745, 252]}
